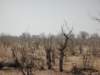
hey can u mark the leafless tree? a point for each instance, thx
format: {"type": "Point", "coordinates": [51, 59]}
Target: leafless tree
{"type": "Point", "coordinates": [49, 51]}
{"type": "Point", "coordinates": [25, 62]}
{"type": "Point", "coordinates": [63, 47]}
{"type": "Point", "coordinates": [94, 43]}
{"type": "Point", "coordinates": [83, 35]}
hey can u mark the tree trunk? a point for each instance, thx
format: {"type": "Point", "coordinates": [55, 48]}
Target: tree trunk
{"type": "Point", "coordinates": [62, 55]}
{"type": "Point", "coordinates": [49, 60]}
{"type": "Point", "coordinates": [61, 60]}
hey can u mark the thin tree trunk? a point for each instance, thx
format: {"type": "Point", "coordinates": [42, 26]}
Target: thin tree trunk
{"type": "Point", "coordinates": [62, 55]}
{"type": "Point", "coordinates": [49, 60]}
{"type": "Point", "coordinates": [61, 61]}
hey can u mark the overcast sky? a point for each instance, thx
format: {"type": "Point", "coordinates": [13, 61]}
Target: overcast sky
{"type": "Point", "coordinates": [46, 16]}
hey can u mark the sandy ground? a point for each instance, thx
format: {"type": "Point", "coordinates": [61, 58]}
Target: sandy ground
{"type": "Point", "coordinates": [47, 72]}
{"type": "Point", "coordinates": [67, 67]}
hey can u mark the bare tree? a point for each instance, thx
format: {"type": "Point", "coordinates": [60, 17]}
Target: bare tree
{"type": "Point", "coordinates": [87, 60]}
{"type": "Point", "coordinates": [83, 35]}
{"type": "Point", "coordinates": [82, 39]}
{"type": "Point", "coordinates": [25, 62]}
{"type": "Point", "coordinates": [95, 43]}
{"type": "Point", "coordinates": [63, 47]}
{"type": "Point", "coordinates": [48, 49]}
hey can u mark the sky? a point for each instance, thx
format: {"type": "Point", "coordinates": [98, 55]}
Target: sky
{"type": "Point", "coordinates": [47, 16]}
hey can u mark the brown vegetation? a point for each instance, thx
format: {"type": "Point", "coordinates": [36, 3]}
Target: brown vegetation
{"type": "Point", "coordinates": [62, 54]}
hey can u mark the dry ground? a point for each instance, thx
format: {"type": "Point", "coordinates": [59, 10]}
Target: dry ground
{"type": "Point", "coordinates": [48, 72]}
{"type": "Point", "coordinates": [67, 67]}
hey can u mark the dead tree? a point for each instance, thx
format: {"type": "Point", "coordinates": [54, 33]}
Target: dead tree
{"type": "Point", "coordinates": [16, 60]}
{"type": "Point", "coordinates": [62, 49]}
{"type": "Point", "coordinates": [25, 62]}
{"type": "Point", "coordinates": [11, 63]}
{"type": "Point", "coordinates": [48, 56]}
{"type": "Point", "coordinates": [48, 49]}
{"type": "Point", "coordinates": [87, 60]}
{"type": "Point", "coordinates": [14, 54]}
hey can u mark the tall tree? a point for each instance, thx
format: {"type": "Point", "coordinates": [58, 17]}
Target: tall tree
{"type": "Point", "coordinates": [48, 42]}
{"type": "Point", "coordinates": [63, 47]}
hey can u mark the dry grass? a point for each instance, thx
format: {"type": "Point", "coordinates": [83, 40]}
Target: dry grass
{"type": "Point", "coordinates": [10, 72]}
{"type": "Point", "coordinates": [5, 54]}
{"type": "Point", "coordinates": [67, 67]}
{"type": "Point", "coordinates": [47, 72]}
